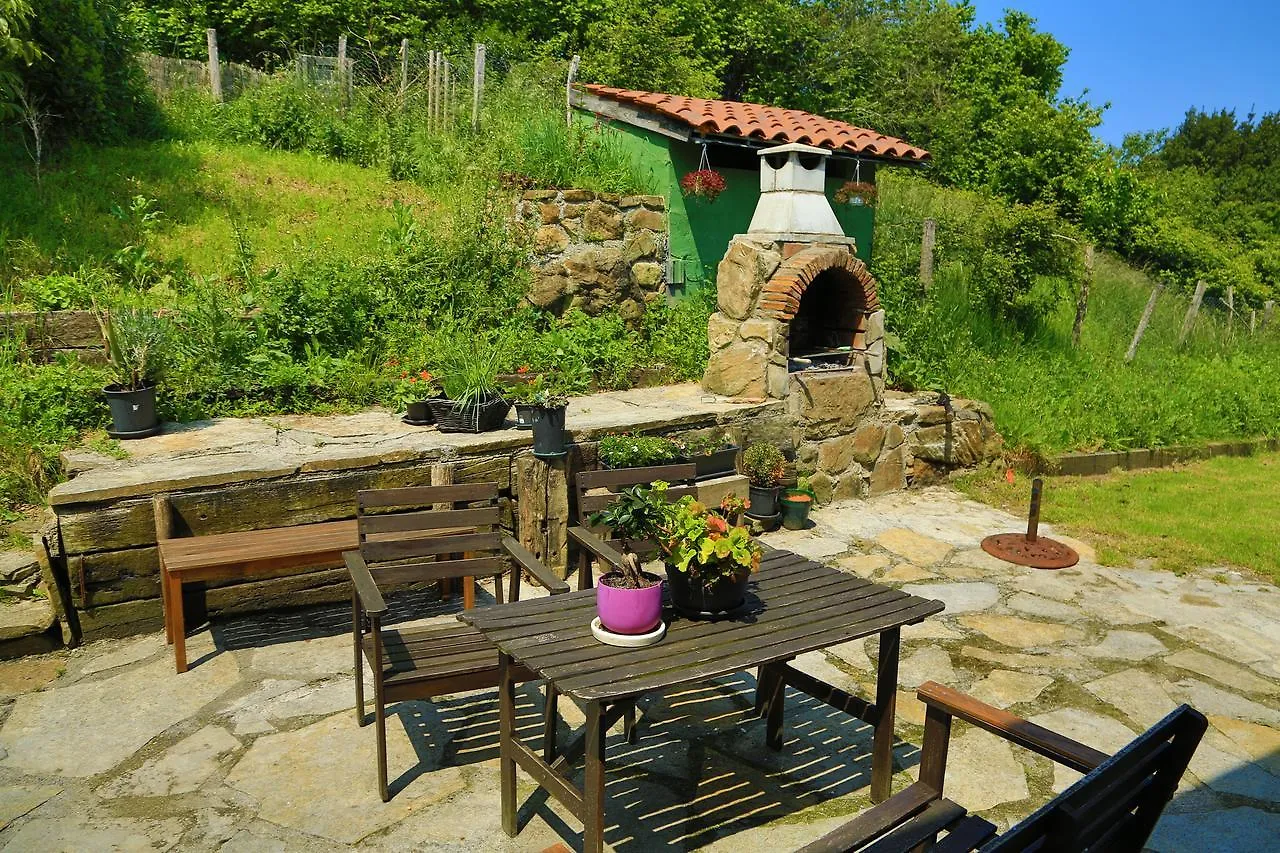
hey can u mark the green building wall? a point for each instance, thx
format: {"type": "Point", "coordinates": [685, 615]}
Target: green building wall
{"type": "Point", "coordinates": [699, 233]}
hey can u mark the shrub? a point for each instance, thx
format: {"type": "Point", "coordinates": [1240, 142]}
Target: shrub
{"type": "Point", "coordinates": [764, 465]}
{"type": "Point", "coordinates": [638, 451]}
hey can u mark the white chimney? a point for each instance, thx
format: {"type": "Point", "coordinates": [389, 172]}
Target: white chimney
{"type": "Point", "coordinates": [793, 202]}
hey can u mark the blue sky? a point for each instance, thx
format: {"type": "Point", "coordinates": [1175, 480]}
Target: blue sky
{"type": "Point", "coordinates": [1152, 60]}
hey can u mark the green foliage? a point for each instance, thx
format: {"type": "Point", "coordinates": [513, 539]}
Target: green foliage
{"type": "Point", "coordinates": [638, 451]}
{"type": "Point", "coordinates": [17, 51]}
{"type": "Point", "coordinates": [86, 76]}
{"type": "Point", "coordinates": [764, 465]}
{"type": "Point", "coordinates": [138, 344]}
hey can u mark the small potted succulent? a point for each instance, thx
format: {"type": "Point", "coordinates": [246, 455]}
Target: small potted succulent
{"type": "Point", "coordinates": [712, 455]}
{"type": "Point", "coordinates": [765, 467]}
{"type": "Point", "coordinates": [137, 344]}
{"type": "Point", "coordinates": [638, 451]}
{"type": "Point", "coordinates": [629, 599]}
{"type": "Point", "coordinates": [796, 504]}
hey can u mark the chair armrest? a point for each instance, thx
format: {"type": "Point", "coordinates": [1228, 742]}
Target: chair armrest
{"type": "Point", "coordinates": [596, 546]}
{"type": "Point", "coordinates": [366, 588]}
{"type": "Point", "coordinates": [531, 565]}
{"type": "Point", "coordinates": [1011, 727]}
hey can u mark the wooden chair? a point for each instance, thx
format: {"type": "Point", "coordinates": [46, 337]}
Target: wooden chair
{"type": "Point", "coordinates": [595, 490]}
{"type": "Point", "coordinates": [1113, 808]}
{"type": "Point", "coordinates": [403, 541]}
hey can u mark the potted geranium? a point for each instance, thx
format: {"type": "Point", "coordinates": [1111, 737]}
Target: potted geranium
{"type": "Point", "coordinates": [522, 387]}
{"type": "Point", "coordinates": [765, 467]}
{"type": "Point", "coordinates": [629, 599]}
{"type": "Point", "coordinates": [137, 343]}
{"type": "Point", "coordinates": [413, 392]}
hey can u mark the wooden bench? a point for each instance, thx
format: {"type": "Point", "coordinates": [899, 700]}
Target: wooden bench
{"type": "Point", "coordinates": [230, 556]}
{"type": "Point", "coordinates": [1112, 809]}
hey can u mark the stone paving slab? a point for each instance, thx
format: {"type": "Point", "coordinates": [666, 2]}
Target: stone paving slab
{"type": "Point", "coordinates": [257, 748]}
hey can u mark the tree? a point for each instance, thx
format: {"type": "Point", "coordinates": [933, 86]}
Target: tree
{"type": "Point", "coordinates": [17, 51]}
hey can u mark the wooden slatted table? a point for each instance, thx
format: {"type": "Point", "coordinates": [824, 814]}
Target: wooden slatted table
{"type": "Point", "coordinates": [795, 606]}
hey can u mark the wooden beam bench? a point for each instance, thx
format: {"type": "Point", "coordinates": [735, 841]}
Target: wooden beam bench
{"type": "Point", "coordinates": [231, 556]}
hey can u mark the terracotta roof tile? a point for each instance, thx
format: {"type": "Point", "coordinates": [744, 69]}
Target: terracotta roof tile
{"type": "Point", "coordinates": [772, 124]}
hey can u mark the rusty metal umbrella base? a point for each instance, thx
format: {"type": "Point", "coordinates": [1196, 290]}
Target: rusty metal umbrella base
{"type": "Point", "coordinates": [1030, 548]}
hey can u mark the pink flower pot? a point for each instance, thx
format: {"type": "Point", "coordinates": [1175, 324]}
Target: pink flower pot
{"type": "Point", "coordinates": [629, 611]}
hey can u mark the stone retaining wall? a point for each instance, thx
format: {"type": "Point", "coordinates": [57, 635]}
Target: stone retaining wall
{"type": "Point", "coordinates": [596, 251]}
{"type": "Point", "coordinates": [47, 333]}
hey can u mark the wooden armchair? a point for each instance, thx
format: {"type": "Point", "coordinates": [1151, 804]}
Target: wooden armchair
{"type": "Point", "coordinates": [1113, 808]}
{"type": "Point", "coordinates": [595, 490]}
{"type": "Point", "coordinates": [402, 540]}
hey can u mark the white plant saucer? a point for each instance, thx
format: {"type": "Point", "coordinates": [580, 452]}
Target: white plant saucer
{"type": "Point", "coordinates": [627, 641]}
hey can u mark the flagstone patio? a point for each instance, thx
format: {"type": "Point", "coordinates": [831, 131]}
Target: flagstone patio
{"type": "Point", "coordinates": [257, 748]}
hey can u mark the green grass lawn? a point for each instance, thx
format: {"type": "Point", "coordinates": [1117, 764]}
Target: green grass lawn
{"type": "Point", "coordinates": [282, 201]}
{"type": "Point", "coordinates": [1221, 512]}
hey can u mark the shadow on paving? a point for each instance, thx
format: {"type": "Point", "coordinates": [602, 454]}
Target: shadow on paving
{"type": "Point", "coordinates": [700, 770]}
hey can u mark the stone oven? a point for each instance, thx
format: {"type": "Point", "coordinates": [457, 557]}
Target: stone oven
{"type": "Point", "coordinates": [793, 297]}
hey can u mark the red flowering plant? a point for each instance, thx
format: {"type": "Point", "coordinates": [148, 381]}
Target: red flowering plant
{"type": "Point", "coordinates": [856, 192]}
{"type": "Point", "coordinates": [410, 386]}
{"type": "Point", "coordinates": [703, 183]}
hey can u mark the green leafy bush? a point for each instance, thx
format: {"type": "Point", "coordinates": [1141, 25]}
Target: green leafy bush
{"type": "Point", "coordinates": [764, 465]}
{"type": "Point", "coordinates": [638, 451]}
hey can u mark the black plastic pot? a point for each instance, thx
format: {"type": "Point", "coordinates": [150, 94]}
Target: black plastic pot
{"type": "Point", "coordinates": [795, 509]}
{"type": "Point", "coordinates": [548, 431]}
{"type": "Point", "coordinates": [133, 412]}
{"type": "Point", "coordinates": [716, 464]}
{"type": "Point", "coordinates": [524, 415]}
{"type": "Point", "coordinates": [764, 501]}
{"type": "Point", "coordinates": [418, 413]}
{"type": "Point", "coordinates": [722, 598]}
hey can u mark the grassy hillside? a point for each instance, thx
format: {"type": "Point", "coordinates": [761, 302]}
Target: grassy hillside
{"type": "Point", "coordinates": [208, 199]}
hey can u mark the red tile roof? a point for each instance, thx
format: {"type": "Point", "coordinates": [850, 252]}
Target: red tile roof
{"type": "Point", "coordinates": [773, 124]}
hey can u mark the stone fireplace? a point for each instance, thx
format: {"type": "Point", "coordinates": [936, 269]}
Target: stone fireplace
{"type": "Point", "coordinates": [792, 295]}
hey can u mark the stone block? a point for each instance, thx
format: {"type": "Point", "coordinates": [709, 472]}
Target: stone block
{"type": "Point", "coordinates": [549, 213]}
{"type": "Point", "coordinates": [578, 195]}
{"type": "Point", "coordinates": [712, 492]}
{"type": "Point", "coordinates": [646, 274]}
{"type": "Point", "coordinates": [539, 195]}
{"type": "Point", "coordinates": [547, 290]}
{"type": "Point", "coordinates": [738, 370]}
{"type": "Point", "coordinates": [740, 276]}
{"type": "Point", "coordinates": [760, 328]}
{"type": "Point", "coordinates": [601, 222]}
{"type": "Point", "coordinates": [721, 331]}
{"type": "Point", "coordinates": [640, 244]}
{"type": "Point", "coordinates": [823, 487]}
{"type": "Point", "coordinates": [574, 211]}
{"type": "Point", "coordinates": [836, 454]}
{"type": "Point", "coordinates": [867, 442]}
{"type": "Point", "coordinates": [549, 239]}
{"type": "Point", "coordinates": [776, 379]}
{"type": "Point", "coordinates": [832, 404]}
{"type": "Point", "coordinates": [629, 201]}
{"type": "Point", "coordinates": [957, 443]}
{"type": "Point", "coordinates": [654, 202]}
{"type": "Point", "coordinates": [854, 483]}
{"type": "Point", "coordinates": [890, 472]}
{"type": "Point", "coordinates": [875, 326]}
{"type": "Point", "coordinates": [645, 219]}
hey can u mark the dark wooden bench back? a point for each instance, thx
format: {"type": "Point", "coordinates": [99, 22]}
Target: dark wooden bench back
{"type": "Point", "coordinates": [426, 533]}
{"type": "Point", "coordinates": [681, 478]}
{"type": "Point", "coordinates": [1115, 807]}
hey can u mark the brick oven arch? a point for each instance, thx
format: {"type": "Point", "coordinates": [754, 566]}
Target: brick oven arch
{"type": "Point", "coordinates": [780, 298]}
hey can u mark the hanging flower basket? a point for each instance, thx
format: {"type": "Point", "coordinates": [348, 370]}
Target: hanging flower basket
{"type": "Point", "coordinates": [856, 192]}
{"type": "Point", "coordinates": [702, 183]}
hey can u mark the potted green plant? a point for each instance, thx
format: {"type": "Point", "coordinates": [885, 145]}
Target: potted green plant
{"type": "Point", "coordinates": [474, 400]}
{"type": "Point", "coordinates": [638, 451]}
{"type": "Point", "coordinates": [549, 407]}
{"type": "Point", "coordinates": [765, 467]}
{"type": "Point", "coordinates": [412, 392]}
{"type": "Point", "coordinates": [709, 560]}
{"type": "Point", "coordinates": [137, 343]}
{"type": "Point", "coordinates": [522, 387]}
{"type": "Point", "coordinates": [712, 455]}
{"type": "Point", "coordinates": [796, 504]}
{"type": "Point", "coordinates": [629, 599]}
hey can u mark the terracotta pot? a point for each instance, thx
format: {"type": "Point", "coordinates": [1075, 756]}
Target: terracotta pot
{"type": "Point", "coordinates": [629, 611]}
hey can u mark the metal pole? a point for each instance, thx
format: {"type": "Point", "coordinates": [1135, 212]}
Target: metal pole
{"type": "Point", "coordinates": [1033, 520]}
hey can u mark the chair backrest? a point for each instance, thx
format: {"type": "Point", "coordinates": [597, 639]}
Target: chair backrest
{"type": "Point", "coordinates": [1115, 807]}
{"type": "Point", "coordinates": [595, 490]}
{"type": "Point", "coordinates": [424, 533]}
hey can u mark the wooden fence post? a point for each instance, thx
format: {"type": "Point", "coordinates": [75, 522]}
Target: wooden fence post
{"type": "Point", "coordinates": [1192, 310]}
{"type": "Point", "coordinates": [1231, 310]}
{"type": "Point", "coordinates": [928, 239]}
{"type": "Point", "coordinates": [431, 90]}
{"type": "Point", "coordinates": [568, 90]}
{"type": "Point", "coordinates": [1268, 312]}
{"type": "Point", "coordinates": [344, 79]}
{"type": "Point", "coordinates": [448, 93]}
{"type": "Point", "coordinates": [404, 66]}
{"type": "Point", "coordinates": [1253, 321]}
{"type": "Point", "coordinates": [1082, 303]}
{"type": "Point", "coordinates": [215, 69]}
{"type": "Point", "coordinates": [1142, 324]}
{"type": "Point", "coordinates": [477, 86]}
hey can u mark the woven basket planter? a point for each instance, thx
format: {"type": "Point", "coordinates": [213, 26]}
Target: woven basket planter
{"type": "Point", "coordinates": [474, 417]}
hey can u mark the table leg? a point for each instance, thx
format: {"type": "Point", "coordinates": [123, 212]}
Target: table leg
{"type": "Point", "coordinates": [164, 603]}
{"type": "Point", "coordinates": [593, 784]}
{"type": "Point", "coordinates": [506, 752]}
{"type": "Point", "coordinates": [177, 622]}
{"type": "Point", "coordinates": [886, 702]}
{"type": "Point", "coordinates": [774, 702]}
